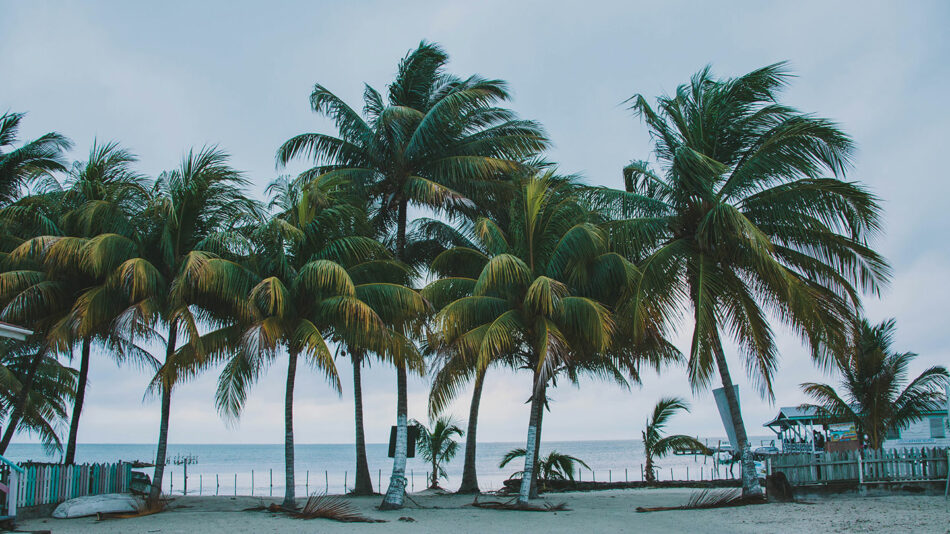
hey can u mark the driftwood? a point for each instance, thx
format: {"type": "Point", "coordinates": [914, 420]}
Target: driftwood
{"type": "Point", "coordinates": [709, 499]}
{"type": "Point", "coordinates": [513, 504]}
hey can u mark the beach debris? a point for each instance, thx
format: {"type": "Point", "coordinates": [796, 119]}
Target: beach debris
{"type": "Point", "coordinates": [513, 504]}
{"type": "Point", "coordinates": [407, 519]}
{"type": "Point", "coordinates": [321, 506]}
{"type": "Point", "coordinates": [709, 499]}
{"type": "Point", "coordinates": [98, 504]}
{"type": "Point", "coordinates": [778, 489]}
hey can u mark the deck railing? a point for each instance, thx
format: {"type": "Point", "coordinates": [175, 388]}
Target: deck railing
{"type": "Point", "coordinates": [867, 467]}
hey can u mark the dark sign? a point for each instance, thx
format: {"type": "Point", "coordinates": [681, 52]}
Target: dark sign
{"type": "Point", "coordinates": [413, 436]}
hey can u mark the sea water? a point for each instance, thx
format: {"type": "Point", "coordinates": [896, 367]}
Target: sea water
{"type": "Point", "coordinates": [227, 469]}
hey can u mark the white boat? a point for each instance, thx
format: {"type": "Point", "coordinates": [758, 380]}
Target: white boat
{"type": "Point", "coordinates": [98, 504]}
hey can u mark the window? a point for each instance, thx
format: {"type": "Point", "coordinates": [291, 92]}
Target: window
{"type": "Point", "coordinates": [938, 427]}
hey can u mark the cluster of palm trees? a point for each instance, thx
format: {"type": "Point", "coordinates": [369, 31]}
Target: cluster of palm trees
{"type": "Point", "coordinates": [747, 219]}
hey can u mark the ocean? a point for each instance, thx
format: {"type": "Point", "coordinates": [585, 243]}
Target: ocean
{"type": "Point", "coordinates": [230, 469]}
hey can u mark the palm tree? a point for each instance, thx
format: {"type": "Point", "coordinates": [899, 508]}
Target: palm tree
{"type": "Point", "coordinates": [526, 305]}
{"type": "Point", "coordinates": [303, 291]}
{"type": "Point", "coordinates": [435, 145]}
{"type": "Point", "coordinates": [554, 466]}
{"type": "Point", "coordinates": [743, 223]}
{"type": "Point", "coordinates": [875, 394]}
{"type": "Point", "coordinates": [20, 166]}
{"type": "Point", "coordinates": [176, 282]}
{"type": "Point", "coordinates": [436, 445]}
{"type": "Point", "coordinates": [47, 402]}
{"type": "Point", "coordinates": [655, 445]}
{"type": "Point", "coordinates": [102, 196]}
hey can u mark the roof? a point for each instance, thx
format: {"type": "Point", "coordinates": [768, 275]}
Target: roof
{"type": "Point", "coordinates": [13, 331]}
{"type": "Point", "coordinates": [794, 413]}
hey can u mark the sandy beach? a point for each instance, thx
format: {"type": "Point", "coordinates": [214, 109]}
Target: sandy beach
{"type": "Point", "coordinates": [605, 511]}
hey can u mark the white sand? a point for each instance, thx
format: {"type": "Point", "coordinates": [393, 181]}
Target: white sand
{"type": "Point", "coordinates": [594, 512]}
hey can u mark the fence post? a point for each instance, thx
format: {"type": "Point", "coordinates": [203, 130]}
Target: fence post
{"type": "Point", "coordinates": [610, 476]}
{"type": "Point", "coordinates": [326, 475]}
{"type": "Point", "coordinates": [379, 480]}
{"type": "Point", "coordinates": [235, 484]}
{"type": "Point", "coordinates": [217, 484]}
{"type": "Point", "coordinates": [344, 481]}
{"type": "Point", "coordinates": [271, 481]}
{"type": "Point", "coordinates": [860, 470]}
{"type": "Point", "coordinates": [625, 477]}
{"type": "Point", "coordinates": [252, 482]}
{"type": "Point", "coordinates": [308, 483]}
{"type": "Point", "coordinates": [200, 483]}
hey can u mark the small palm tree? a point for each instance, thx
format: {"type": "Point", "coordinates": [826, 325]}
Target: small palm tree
{"type": "Point", "coordinates": [554, 466]}
{"type": "Point", "coordinates": [436, 445]}
{"type": "Point", "coordinates": [873, 392]}
{"type": "Point", "coordinates": [655, 445]}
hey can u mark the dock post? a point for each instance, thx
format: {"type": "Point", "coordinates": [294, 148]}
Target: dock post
{"type": "Point", "coordinates": [671, 473]}
{"type": "Point", "coordinates": [641, 472]}
{"type": "Point", "coordinates": [593, 476]}
{"type": "Point", "coordinates": [171, 481]}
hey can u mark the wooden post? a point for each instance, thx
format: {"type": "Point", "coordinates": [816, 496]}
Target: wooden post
{"type": "Point", "coordinates": [185, 491]}
{"type": "Point", "coordinates": [235, 484]}
{"type": "Point", "coordinates": [326, 475]}
{"type": "Point", "coordinates": [379, 480]}
{"type": "Point", "coordinates": [200, 483]}
{"type": "Point", "coordinates": [271, 481]}
{"type": "Point", "coordinates": [171, 481]}
{"type": "Point", "coordinates": [308, 483]}
{"type": "Point", "coordinates": [625, 478]}
{"type": "Point", "coordinates": [344, 481]}
{"type": "Point", "coordinates": [217, 484]}
{"type": "Point", "coordinates": [13, 490]}
{"type": "Point", "coordinates": [687, 473]}
{"type": "Point", "coordinates": [860, 470]}
{"type": "Point", "coordinates": [671, 473]}
{"type": "Point", "coordinates": [252, 482]}
{"type": "Point", "coordinates": [610, 476]}
{"type": "Point", "coordinates": [412, 480]}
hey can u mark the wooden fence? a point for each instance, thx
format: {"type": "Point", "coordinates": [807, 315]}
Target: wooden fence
{"type": "Point", "coordinates": [871, 467]}
{"type": "Point", "coordinates": [54, 483]}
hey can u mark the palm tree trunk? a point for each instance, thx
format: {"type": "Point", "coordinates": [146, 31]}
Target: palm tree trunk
{"type": "Point", "coordinates": [537, 445]}
{"type": "Point", "coordinates": [20, 404]}
{"type": "Point", "coordinates": [364, 483]}
{"type": "Point", "coordinates": [648, 473]}
{"type": "Point", "coordinates": [530, 459]}
{"type": "Point", "coordinates": [469, 474]}
{"type": "Point", "coordinates": [397, 482]}
{"type": "Point", "coordinates": [290, 500]}
{"type": "Point", "coordinates": [435, 470]}
{"type": "Point", "coordinates": [155, 492]}
{"type": "Point", "coordinates": [750, 481]}
{"type": "Point", "coordinates": [70, 456]}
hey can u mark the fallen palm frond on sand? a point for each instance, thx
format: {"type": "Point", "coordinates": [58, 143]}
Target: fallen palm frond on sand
{"type": "Point", "coordinates": [323, 506]}
{"type": "Point", "coordinates": [709, 499]}
{"type": "Point", "coordinates": [513, 504]}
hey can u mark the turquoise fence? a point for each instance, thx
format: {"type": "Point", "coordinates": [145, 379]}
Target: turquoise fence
{"type": "Point", "coordinates": [54, 483]}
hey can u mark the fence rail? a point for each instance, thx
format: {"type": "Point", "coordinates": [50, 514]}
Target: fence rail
{"type": "Point", "coordinates": [896, 465]}
{"type": "Point", "coordinates": [54, 483]}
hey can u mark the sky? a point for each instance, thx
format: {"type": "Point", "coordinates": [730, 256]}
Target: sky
{"type": "Point", "coordinates": [162, 77]}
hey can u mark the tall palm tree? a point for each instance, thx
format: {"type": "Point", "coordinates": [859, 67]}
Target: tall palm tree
{"type": "Point", "coordinates": [102, 196]}
{"type": "Point", "coordinates": [875, 394]}
{"type": "Point", "coordinates": [20, 166]}
{"type": "Point", "coordinates": [655, 444]}
{"type": "Point", "coordinates": [435, 145]}
{"type": "Point", "coordinates": [437, 447]}
{"type": "Point", "coordinates": [177, 282]}
{"type": "Point", "coordinates": [743, 223]}
{"type": "Point", "coordinates": [303, 291]}
{"type": "Point", "coordinates": [526, 303]}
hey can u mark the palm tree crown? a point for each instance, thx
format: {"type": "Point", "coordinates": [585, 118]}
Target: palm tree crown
{"type": "Point", "coordinates": [875, 394]}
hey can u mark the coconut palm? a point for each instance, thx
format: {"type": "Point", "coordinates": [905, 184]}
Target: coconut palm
{"type": "Point", "coordinates": [874, 393]}
{"type": "Point", "coordinates": [47, 402]}
{"type": "Point", "coordinates": [743, 223]}
{"type": "Point", "coordinates": [176, 282]}
{"type": "Point", "coordinates": [655, 444]}
{"type": "Point", "coordinates": [20, 166]}
{"type": "Point", "coordinates": [436, 445]}
{"type": "Point", "coordinates": [526, 305]}
{"type": "Point", "coordinates": [435, 145]}
{"type": "Point", "coordinates": [303, 292]}
{"type": "Point", "coordinates": [554, 466]}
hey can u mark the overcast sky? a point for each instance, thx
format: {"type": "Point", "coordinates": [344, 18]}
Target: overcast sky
{"type": "Point", "coordinates": [165, 76]}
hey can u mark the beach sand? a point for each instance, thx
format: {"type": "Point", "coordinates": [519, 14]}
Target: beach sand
{"type": "Point", "coordinates": [592, 512]}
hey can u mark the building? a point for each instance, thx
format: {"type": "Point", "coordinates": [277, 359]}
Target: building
{"type": "Point", "coordinates": [801, 429]}
{"type": "Point", "coordinates": [13, 331]}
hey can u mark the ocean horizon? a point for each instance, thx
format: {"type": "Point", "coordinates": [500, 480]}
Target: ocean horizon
{"type": "Point", "coordinates": [258, 469]}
